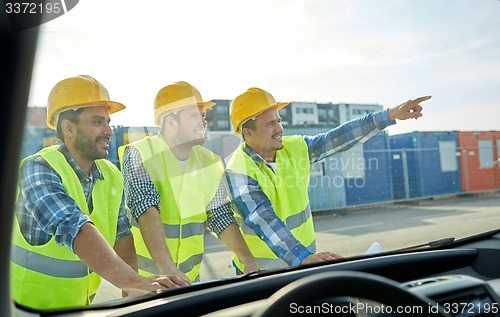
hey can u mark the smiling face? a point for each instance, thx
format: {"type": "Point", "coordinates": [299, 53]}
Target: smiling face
{"type": "Point", "coordinates": [266, 138]}
{"type": "Point", "coordinates": [88, 140]}
{"type": "Point", "coordinates": [190, 127]}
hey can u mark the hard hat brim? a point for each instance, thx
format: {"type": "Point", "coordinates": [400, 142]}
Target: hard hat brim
{"type": "Point", "coordinates": [207, 104]}
{"type": "Point", "coordinates": [281, 105]}
{"type": "Point", "coordinates": [112, 106]}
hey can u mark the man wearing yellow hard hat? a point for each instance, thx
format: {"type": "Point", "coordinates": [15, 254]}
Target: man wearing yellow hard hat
{"type": "Point", "coordinates": [71, 227]}
{"type": "Point", "coordinates": [268, 176]}
{"type": "Point", "coordinates": [173, 187]}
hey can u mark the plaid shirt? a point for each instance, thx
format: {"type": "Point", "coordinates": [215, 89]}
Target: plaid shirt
{"type": "Point", "coordinates": [45, 210]}
{"type": "Point", "coordinates": [141, 193]}
{"type": "Point", "coordinates": [255, 207]}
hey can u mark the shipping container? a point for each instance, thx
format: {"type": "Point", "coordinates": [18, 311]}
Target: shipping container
{"type": "Point", "coordinates": [479, 160]}
{"type": "Point", "coordinates": [366, 171]}
{"type": "Point", "coordinates": [424, 164]}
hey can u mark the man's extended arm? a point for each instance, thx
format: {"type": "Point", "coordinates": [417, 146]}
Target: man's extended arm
{"type": "Point", "coordinates": [346, 135]}
{"type": "Point", "coordinates": [360, 129]}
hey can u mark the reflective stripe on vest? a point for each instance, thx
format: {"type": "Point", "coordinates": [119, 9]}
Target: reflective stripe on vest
{"type": "Point", "coordinates": [47, 265]}
{"type": "Point", "coordinates": [175, 231]}
{"type": "Point", "coordinates": [287, 191]}
{"type": "Point", "coordinates": [51, 269]}
{"type": "Point", "coordinates": [183, 200]}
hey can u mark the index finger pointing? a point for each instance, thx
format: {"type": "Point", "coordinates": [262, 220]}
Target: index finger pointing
{"type": "Point", "coordinates": [420, 99]}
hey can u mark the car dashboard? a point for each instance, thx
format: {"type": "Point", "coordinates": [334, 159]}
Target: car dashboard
{"type": "Point", "coordinates": [462, 276]}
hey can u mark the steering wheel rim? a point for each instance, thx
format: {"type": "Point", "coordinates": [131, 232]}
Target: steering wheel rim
{"type": "Point", "coordinates": [345, 283]}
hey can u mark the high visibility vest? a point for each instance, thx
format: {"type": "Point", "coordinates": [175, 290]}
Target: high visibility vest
{"type": "Point", "coordinates": [183, 200]}
{"type": "Point", "coordinates": [50, 276]}
{"type": "Point", "coordinates": [287, 191]}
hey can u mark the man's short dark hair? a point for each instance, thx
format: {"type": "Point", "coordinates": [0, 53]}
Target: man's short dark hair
{"type": "Point", "coordinates": [249, 124]}
{"type": "Point", "coordinates": [72, 116]}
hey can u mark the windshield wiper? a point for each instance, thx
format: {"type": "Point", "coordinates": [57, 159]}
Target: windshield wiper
{"type": "Point", "coordinates": [435, 243]}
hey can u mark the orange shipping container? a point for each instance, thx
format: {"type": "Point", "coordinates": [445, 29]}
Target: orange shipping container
{"type": "Point", "coordinates": [479, 155]}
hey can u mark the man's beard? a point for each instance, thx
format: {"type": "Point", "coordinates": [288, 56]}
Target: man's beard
{"type": "Point", "coordinates": [88, 147]}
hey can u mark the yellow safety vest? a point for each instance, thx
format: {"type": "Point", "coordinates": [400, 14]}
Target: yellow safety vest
{"type": "Point", "coordinates": [183, 200]}
{"type": "Point", "coordinates": [50, 276]}
{"type": "Point", "coordinates": [287, 191]}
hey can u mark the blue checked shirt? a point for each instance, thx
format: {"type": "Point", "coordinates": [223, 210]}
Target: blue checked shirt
{"type": "Point", "coordinates": [141, 193]}
{"type": "Point", "coordinates": [45, 210]}
{"type": "Point", "coordinates": [251, 202]}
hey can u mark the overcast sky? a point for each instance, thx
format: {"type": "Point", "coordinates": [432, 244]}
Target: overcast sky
{"type": "Point", "coordinates": [353, 51]}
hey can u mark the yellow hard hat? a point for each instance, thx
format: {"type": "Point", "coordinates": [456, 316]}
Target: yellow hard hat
{"type": "Point", "coordinates": [249, 104]}
{"type": "Point", "coordinates": [75, 92]}
{"type": "Point", "coordinates": [175, 96]}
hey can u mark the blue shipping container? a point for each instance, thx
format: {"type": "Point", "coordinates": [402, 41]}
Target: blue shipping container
{"type": "Point", "coordinates": [425, 164]}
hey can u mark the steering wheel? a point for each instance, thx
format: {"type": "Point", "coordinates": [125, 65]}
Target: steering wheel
{"type": "Point", "coordinates": [308, 290]}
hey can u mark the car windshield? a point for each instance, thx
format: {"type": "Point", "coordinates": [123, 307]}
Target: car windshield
{"type": "Point", "coordinates": [311, 107]}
